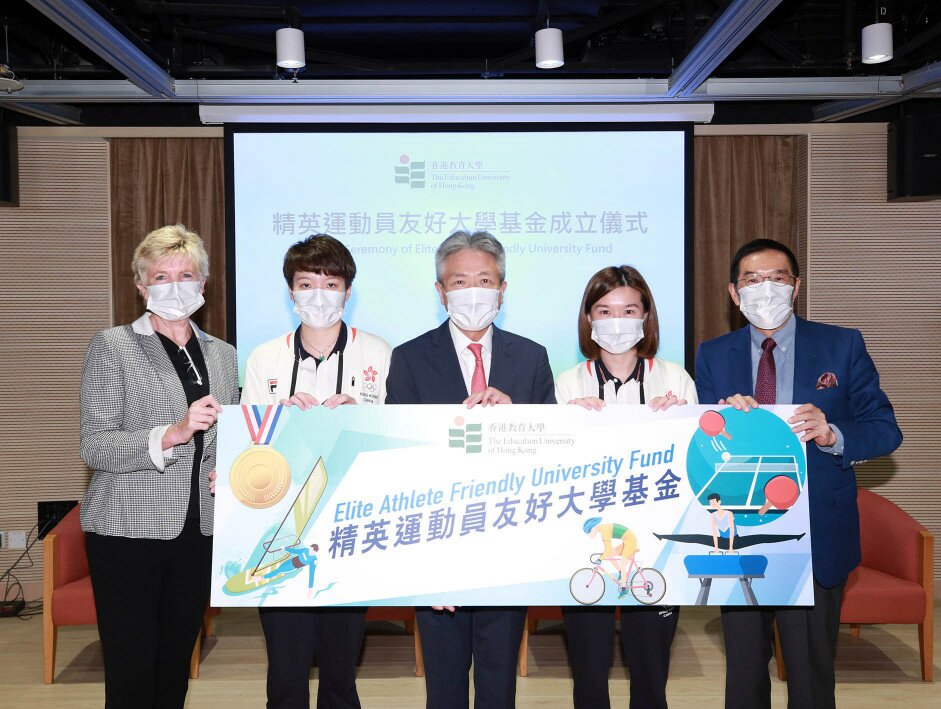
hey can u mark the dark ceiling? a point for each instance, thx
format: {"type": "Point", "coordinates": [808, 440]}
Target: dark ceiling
{"type": "Point", "coordinates": [201, 39]}
{"type": "Point", "coordinates": [491, 39]}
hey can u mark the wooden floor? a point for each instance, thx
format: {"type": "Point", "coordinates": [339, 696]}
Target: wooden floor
{"type": "Point", "coordinates": [879, 669]}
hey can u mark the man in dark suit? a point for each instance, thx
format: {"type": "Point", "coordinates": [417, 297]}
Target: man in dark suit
{"type": "Point", "coordinates": [468, 360]}
{"type": "Point", "coordinates": [845, 418]}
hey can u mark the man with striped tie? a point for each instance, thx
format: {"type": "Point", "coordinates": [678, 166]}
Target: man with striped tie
{"type": "Point", "coordinates": [468, 360]}
{"type": "Point", "coordinates": [844, 417]}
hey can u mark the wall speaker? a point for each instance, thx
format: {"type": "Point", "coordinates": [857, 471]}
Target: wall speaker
{"type": "Point", "coordinates": [9, 167]}
{"type": "Point", "coordinates": [914, 156]}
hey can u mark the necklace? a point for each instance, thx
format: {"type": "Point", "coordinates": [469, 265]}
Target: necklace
{"type": "Point", "coordinates": [321, 353]}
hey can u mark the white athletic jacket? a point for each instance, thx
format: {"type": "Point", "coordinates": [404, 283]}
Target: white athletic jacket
{"type": "Point", "coordinates": [660, 377]}
{"type": "Point", "coordinates": [361, 368]}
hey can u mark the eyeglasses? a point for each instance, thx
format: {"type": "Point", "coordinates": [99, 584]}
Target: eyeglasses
{"type": "Point", "coordinates": [779, 279]}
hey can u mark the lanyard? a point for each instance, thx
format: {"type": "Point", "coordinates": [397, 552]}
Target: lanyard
{"type": "Point", "coordinates": [638, 374]}
{"type": "Point", "coordinates": [297, 361]}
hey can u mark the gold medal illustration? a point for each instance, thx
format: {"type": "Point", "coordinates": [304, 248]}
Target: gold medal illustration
{"type": "Point", "coordinates": [260, 477]}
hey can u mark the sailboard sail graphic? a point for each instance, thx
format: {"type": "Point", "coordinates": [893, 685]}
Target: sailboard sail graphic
{"type": "Point", "coordinates": [289, 533]}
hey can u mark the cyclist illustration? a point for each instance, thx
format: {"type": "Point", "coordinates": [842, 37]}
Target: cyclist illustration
{"type": "Point", "coordinates": [620, 550]}
{"type": "Point", "coordinates": [299, 558]}
{"type": "Point", "coordinates": [620, 544]}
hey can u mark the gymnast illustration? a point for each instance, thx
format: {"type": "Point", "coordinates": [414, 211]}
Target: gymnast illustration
{"type": "Point", "coordinates": [724, 536]}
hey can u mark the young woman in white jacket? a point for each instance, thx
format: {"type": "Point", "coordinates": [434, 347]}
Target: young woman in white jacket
{"type": "Point", "coordinates": [618, 333]}
{"type": "Point", "coordinates": [323, 362]}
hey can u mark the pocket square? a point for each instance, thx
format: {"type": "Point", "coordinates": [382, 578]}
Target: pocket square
{"type": "Point", "coordinates": [827, 380]}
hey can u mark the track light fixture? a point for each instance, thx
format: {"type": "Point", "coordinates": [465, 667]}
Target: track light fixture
{"type": "Point", "coordinates": [877, 39]}
{"type": "Point", "coordinates": [289, 42]}
{"type": "Point", "coordinates": [549, 52]}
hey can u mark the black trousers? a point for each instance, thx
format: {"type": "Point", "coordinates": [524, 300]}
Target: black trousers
{"type": "Point", "coordinates": [808, 644]}
{"type": "Point", "coordinates": [294, 637]}
{"type": "Point", "coordinates": [490, 637]}
{"type": "Point", "coordinates": [150, 595]}
{"type": "Point", "coordinates": [646, 637]}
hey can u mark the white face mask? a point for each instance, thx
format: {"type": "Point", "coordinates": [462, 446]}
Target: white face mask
{"type": "Point", "coordinates": [319, 308]}
{"type": "Point", "coordinates": [617, 335]}
{"type": "Point", "coordinates": [473, 309]}
{"type": "Point", "coordinates": [175, 301]}
{"type": "Point", "coordinates": [766, 305]}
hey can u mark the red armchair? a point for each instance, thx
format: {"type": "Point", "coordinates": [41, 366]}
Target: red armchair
{"type": "Point", "coordinates": [894, 584]}
{"type": "Point", "coordinates": [67, 591]}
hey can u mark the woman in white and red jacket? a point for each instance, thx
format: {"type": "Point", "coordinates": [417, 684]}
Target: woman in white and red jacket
{"type": "Point", "coordinates": [324, 362]}
{"type": "Point", "coordinates": [619, 334]}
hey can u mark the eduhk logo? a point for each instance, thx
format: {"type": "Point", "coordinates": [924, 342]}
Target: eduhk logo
{"type": "Point", "coordinates": [410, 173]}
{"type": "Point", "coordinates": [468, 436]}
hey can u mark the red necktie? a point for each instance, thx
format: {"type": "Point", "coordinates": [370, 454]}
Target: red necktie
{"type": "Point", "coordinates": [766, 383]}
{"type": "Point", "coordinates": [479, 381]}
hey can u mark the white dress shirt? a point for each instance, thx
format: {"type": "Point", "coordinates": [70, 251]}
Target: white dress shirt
{"type": "Point", "coordinates": [466, 358]}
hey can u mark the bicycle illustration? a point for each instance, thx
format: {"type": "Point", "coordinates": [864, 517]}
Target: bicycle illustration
{"type": "Point", "coordinates": [646, 584]}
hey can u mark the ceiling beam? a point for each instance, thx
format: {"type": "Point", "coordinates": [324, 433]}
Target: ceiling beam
{"type": "Point", "coordinates": [770, 40]}
{"type": "Point", "coordinates": [54, 113]}
{"type": "Point", "coordinates": [470, 91]}
{"type": "Point", "coordinates": [797, 87]}
{"type": "Point", "coordinates": [833, 111]}
{"type": "Point", "coordinates": [914, 83]}
{"type": "Point", "coordinates": [91, 29]}
{"type": "Point", "coordinates": [728, 30]}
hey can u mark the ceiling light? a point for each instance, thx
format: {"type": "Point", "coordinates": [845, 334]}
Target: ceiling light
{"type": "Point", "coordinates": [549, 53]}
{"type": "Point", "coordinates": [8, 80]}
{"type": "Point", "coordinates": [877, 43]}
{"type": "Point", "coordinates": [290, 48]}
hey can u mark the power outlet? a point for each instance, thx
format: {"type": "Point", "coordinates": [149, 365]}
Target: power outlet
{"type": "Point", "coordinates": [13, 540]}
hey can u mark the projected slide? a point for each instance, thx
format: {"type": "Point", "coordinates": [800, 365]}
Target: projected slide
{"type": "Point", "coordinates": [564, 204]}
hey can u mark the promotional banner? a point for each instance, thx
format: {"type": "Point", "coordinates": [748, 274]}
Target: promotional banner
{"type": "Point", "coordinates": [510, 505]}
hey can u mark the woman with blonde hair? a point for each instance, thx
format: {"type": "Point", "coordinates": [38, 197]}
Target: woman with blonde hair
{"type": "Point", "coordinates": [151, 393]}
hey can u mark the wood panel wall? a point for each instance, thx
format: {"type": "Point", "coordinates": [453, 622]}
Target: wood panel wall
{"type": "Point", "coordinates": [55, 270]}
{"type": "Point", "coordinates": [872, 264]}
{"type": "Point", "coordinates": [803, 178]}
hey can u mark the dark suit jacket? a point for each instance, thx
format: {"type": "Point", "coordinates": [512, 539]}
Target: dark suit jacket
{"type": "Point", "coordinates": [857, 406]}
{"type": "Point", "coordinates": [426, 370]}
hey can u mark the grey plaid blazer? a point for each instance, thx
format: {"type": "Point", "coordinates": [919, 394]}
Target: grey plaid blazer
{"type": "Point", "coordinates": [130, 387]}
